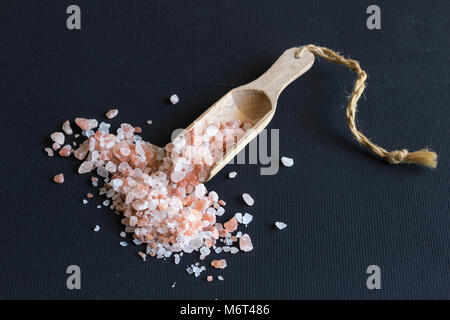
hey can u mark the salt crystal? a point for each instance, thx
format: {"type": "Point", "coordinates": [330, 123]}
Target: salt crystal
{"type": "Point", "coordinates": [247, 218]}
{"type": "Point", "coordinates": [49, 152]}
{"type": "Point", "coordinates": [57, 137]}
{"type": "Point", "coordinates": [149, 122]}
{"type": "Point", "coordinates": [232, 175]}
{"type": "Point", "coordinates": [86, 124]}
{"type": "Point", "coordinates": [85, 167]}
{"type": "Point", "coordinates": [213, 196]}
{"type": "Point", "coordinates": [104, 127]}
{"type": "Point", "coordinates": [287, 162]}
{"type": "Point", "coordinates": [280, 225]}
{"type": "Point", "coordinates": [209, 278]}
{"type": "Point", "coordinates": [97, 228]}
{"type": "Point", "coordinates": [245, 243]}
{"type": "Point", "coordinates": [112, 113]}
{"type": "Point", "coordinates": [219, 264]}
{"type": "Point", "coordinates": [174, 284]}
{"type": "Point", "coordinates": [123, 243]}
{"type": "Point", "coordinates": [220, 278]}
{"type": "Point", "coordinates": [137, 241]}
{"type": "Point", "coordinates": [56, 146]}
{"type": "Point", "coordinates": [234, 250]}
{"type": "Point", "coordinates": [65, 151]}
{"type": "Point", "coordinates": [106, 203]}
{"type": "Point", "coordinates": [77, 135]}
{"type": "Point", "coordinates": [123, 234]}
{"type": "Point", "coordinates": [102, 172]}
{"type": "Point", "coordinates": [174, 99]}
{"type": "Point", "coordinates": [177, 258]}
{"type": "Point", "coordinates": [99, 206]}
{"type": "Point", "coordinates": [248, 199]}
{"type": "Point", "coordinates": [85, 201]}
{"type": "Point", "coordinates": [66, 128]}
{"type": "Point", "coordinates": [200, 190]}
{"type": "Point", "coordinates": [59, 178]}
{"type": "Point", "coordinates": [205, 251]}
{"type": "Point", "coordinates": [220, 211]}
{"type": "Point", "coordinates": [239, 234]}
{"type": "Point", "coordinates": [238, 217]}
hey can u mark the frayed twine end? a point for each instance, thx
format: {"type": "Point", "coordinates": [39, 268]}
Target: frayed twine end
{"type": "Point", "coordinates": [424, 157]}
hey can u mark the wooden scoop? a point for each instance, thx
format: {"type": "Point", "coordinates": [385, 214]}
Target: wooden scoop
{"type": "Point", "coordinates": [255, 101]}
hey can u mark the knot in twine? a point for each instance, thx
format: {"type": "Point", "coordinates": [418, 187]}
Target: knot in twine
{"type": "Point", "coordinates": [422, 157]}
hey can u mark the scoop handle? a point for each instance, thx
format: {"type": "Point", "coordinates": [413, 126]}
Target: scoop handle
{"type": "Point", "coordinates": [286, 69]}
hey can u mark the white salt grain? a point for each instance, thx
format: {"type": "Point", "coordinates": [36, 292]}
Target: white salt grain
{"type": "Point", "coordinates": [280, 225]}
{"type": "Point", "coordinates": [149, 121]}
{"type": "Point", "coordinates": [220, 278]}
{"type": "Point", "coordinates": [99, 207]}
{"type": "Point", "coordinates": [238, 217]}
{"type": "Point", "coordinates": [232, 175]}
{"type": "Point", "coordinates": [174, 284]}
{"type": "Point", "coordinates": [220, 211]}
{"type": "Point", "coordinates": [97, 228]}
{"type": "Point", "coordinates": [123, 243]}
{"type": "Point", "coordinates": [177, 258]}
{"type": "Point", "coordinates": [287, 162]}
{"type": "Point", "coordinates": [174, 99]}
{"type": "Point", "coordinates": [248, 199]}
{"type": "Point", "coordinates": [85, 201]}
{"type": "Point", "coordinates": [137, 241]}
{"type": "Point", "coordinates": [123, 234]}
{"type": "Point", "coordinates": [247, 218]}
{"type": "Point", "coordinates": [234, 250]}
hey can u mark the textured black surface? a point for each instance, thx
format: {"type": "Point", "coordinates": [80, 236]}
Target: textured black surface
{"type": "Point", "coordinates": [345, 209]}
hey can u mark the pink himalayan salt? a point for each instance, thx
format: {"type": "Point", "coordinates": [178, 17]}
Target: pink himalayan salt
{"type": "Point", "coordinates": [59, 178]}
{"type": "Point", "coordinates": [67, 128]}
{"type": "Point", "coordinates": [112, 113]}
{"type": "Point", "coordinates": [57, 137]}
{"type": "Point", "coordinates": [231, 225]}
{"type": "Point", "coordinates": [209, 278]}
{"type": "Point", "coordinates": [56, 146]}
{"type": "Point", "coordinates": [86, 124]}
{"type": "Point", "coordinates": [65, 151]}
{"type": "Point", "coordinates": [169, 216]}
{"type": "Point", "coordinates": [219, 264]}
{"type": "Point", "coordinates": [49, 152]}
{"type": "Point", "coordinates": [245, 243]}
{"type": "Point", "coordinates": [142, 255]}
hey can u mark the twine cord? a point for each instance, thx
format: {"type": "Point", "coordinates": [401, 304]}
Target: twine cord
{"type": "Point", "coordinates": [423, 156]}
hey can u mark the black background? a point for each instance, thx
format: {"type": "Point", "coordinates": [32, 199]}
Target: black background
{"type": "Point", "coordinates": [345, 208]}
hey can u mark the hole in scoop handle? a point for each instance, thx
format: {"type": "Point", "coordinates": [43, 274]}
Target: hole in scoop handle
{"type": "Point", "coordinates": [285, 70]}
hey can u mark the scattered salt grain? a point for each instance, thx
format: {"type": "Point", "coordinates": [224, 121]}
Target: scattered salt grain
{"type": "Point", "coordinates": [219, 264]}
{"type": "Point", "coordinates": [177, 258]}
{"type": "Point", "coordinates": [247, 218]}
{"type": "Point", "coordinates": [174, 284]}
{"type": "Point", "coordinates": [56, 146]}
{"type": "Point", "coordinates": [248, 199]}
{"type": "Point", "coordinates": [59, 178]}
{"type": "Point", "coordinates": [137, 241]}
{"type": "Point", "coordinates": [49, 152]}
{"type": "Point", "coordinates": [280, 225]}
{"type": "Point", "coordinates": [57, 137]}
{"type": "Point", "coordinates": [287, 162]}
{"type": "Point", "coordinates": [220, 278]}
{"type": "Point", "coordinates": [232, 175]}
{"type": "Point", "coordinates": [65, 151]}
{"type": "Point", "coordinates": [106, 203]}
{"type": "Point", "coordinates": [123, 234]}
{"type": "Point", "coordinates": [174, 99]}
{"type": "Point", "coordinates": [97, 228]}
{"type": "Point", "coordinates": [85, 201]}
{"type": "Point", "coordinates": [238, 217]}
{"type": "Point", "coordinates": [220, 212]}
{"type": "Point", "coordinates": [77, 135]}
{"type": "Point", "coordinates": [99, 207]}
{"type": "Point", "coordinates": [142, 255]}
{"type": "Point", "coordinates": [66, 128]}
{"type": "Point", "coordinates": [112, 113]}
{"type": "Point", "coordinates": [245, 243]}
{"type": "Point", "coordinates": [209, 278]}
{"type": "Point", "coordinates": [123, 243]}
{"type": "Point", "coordinates": [86, 124]}
{"type": "Point", "coordinates": [149, 121]}
{"type": "Point", "coordinates": [234, 250]}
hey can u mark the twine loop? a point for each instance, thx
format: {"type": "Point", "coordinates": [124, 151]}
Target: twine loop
{"type": "Point", "coordinates": [423, 157]}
